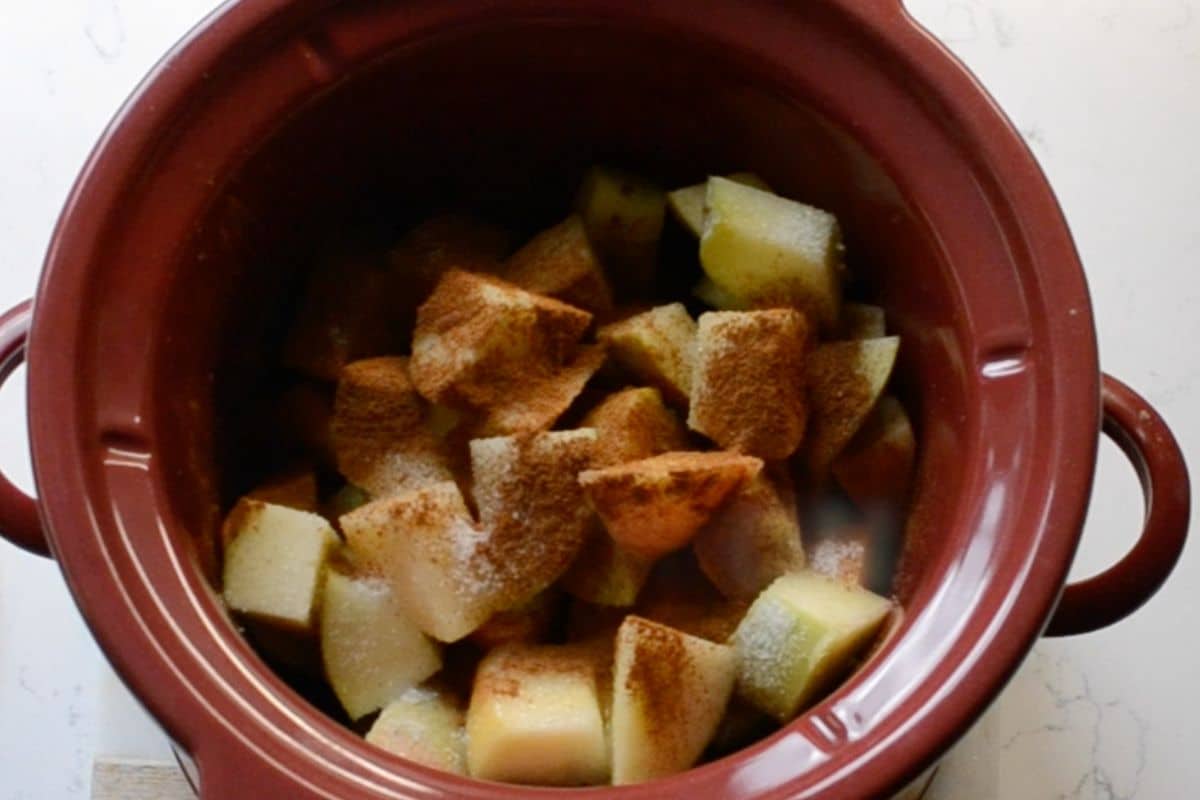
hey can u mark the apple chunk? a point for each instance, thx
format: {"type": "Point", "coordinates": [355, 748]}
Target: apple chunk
{"type": "Point", "coordinates": [765, 250]}
{"type": "Point", "coordinates": [605, 573]}
{"type": "Point", "coordinates": [658, 347]}
{"type": "Point", "coordinates": [274, 562]}
{"type": "Point", "coordinates": [433, 247]}
{"type": "Point", "coordinates": [799, 635]}
{"type": "Point", "coordinates": [748, 390]}
{"type": "Point", "coordinates": [538, 403]}
{"type": "Point", "coordinates": [532, 507]}
{"type": "Point", "coordinates": [669, 694]}
{"type": "Point", "coordinates": [654, 506]}
{"type": "Point", "coordinates": [679, 596]}
{"type": "Point", "coordinates": [688, 203]}
{"type": "Point", "coordinates": [876, 468]}
{"type": "Point", "coordinates": [380, 437]}
{"type": "Point", "coordinates": [623, 214]}
{"type": "Point", "coordinates": [452, 574]}
{"type": "Point", "coordinates": [561, 262]}
{"type": "Point", "coordinates": [479, 339]}
{"type": "Point", "coordinates": [371, 650]}
{"type": "Point", "coordinates": [845, 379]}
{"type": "Point", "coordinates": [632, 424]}
{"type": "Point", "coordinates": [535, 718]}
{"type": "Point", "coordinates": [296, 489]}
{"type": "Point", "coordinates": [424, 725]}
{"type": "Point", "coordinates": [753, 540]}
{"type": "Point", "coordinates": [426, 546]}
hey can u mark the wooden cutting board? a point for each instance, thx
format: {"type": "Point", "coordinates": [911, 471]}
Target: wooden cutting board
{"type": "Point", "coordinates": [138, 780]}
{"type": "Point", "coordinates": [148, 780]}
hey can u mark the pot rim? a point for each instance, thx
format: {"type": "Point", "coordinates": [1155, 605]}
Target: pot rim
{"type": "Point", "coordinates": [134, 619]}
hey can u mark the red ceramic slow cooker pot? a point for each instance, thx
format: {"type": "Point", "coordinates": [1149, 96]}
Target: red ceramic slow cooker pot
{"type": "Point", "coordinates": [164, 288]}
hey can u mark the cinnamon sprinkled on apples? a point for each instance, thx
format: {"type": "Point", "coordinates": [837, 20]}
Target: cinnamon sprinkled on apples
{"type": "Point", "coordinates": [657, 664]}
{"type": "Point", "coordinates": [656, 505]}
{"type": "Point", "coordinates": [658, 347]}
{"type": "Point", "coordinates": [531, 505]}
{"type": "Point", "coordinates": [480, 339]}
{"type": "Point", "coordinates": [634, 424]}
{"type": "Point", "coordinates": [537, 404]}
{"type": "Point", "coordinates": [748, 392]}
{"type": "Point", "coordinates": [380, 437]}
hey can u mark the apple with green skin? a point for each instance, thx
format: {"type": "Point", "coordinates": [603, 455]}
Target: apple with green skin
{"type": "Point", "coordinates": [800, 635]}
{"type": "Point", "coordinates": [766, 251]}
{"type": "Point", "coordinates": [688, 203]}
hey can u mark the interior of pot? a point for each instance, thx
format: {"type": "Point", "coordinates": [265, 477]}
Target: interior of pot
{"type": "Point", "coordinates": [502, 119]}
{"type": "Point", "coordinates": [474, 122]}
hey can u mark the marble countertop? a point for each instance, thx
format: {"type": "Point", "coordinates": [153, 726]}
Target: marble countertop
{"type": "Point", "coordinates": [1105, 91]}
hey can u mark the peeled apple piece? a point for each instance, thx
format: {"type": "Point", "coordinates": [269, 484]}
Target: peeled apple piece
{"type": "Point", "coordinates": [535, 718]}
{"type": "Point", "coordinates": [274, 562]}
{"type": "Point", "coordinates": [763, 250]}
{"type": "Point", "coordinates": [372, 651]}
{"type": "Point", "coordinates": [687, 204]}
{"type": "Point", "coordinates": [669, 695]}
{"type": "Point", "coordinates": [623, 214]}
{"type": "Point", "coordinates": [423, 725]}
{"type": "Point", "coordinates": [845, 380]}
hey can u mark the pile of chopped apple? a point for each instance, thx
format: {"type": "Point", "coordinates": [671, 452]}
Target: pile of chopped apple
{"type": "Point", "coordinates": [548, 532]}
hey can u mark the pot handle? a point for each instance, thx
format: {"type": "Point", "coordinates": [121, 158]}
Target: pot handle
{"type": "Point", "coordinates": [1120, 590]}
{"type": "Point", "coordinates": [20, 522]}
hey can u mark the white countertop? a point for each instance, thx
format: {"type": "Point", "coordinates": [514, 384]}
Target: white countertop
{"type": "Point", "coordinates": [1108, 94]}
